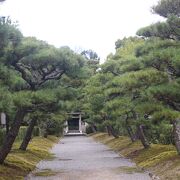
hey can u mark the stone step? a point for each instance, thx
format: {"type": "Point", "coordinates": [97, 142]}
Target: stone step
{"type": "Point", "coordinates": [74, 133]}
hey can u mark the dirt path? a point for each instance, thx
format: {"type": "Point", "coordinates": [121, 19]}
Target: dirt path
{"type": "Point", "coordinates": [81, 158]}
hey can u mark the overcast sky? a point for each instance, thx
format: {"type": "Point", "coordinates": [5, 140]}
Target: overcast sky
{"type": "Point", "coordinates": [86, 24]}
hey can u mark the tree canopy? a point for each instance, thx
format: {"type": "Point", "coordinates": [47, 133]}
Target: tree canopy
{"type": "Point", "coordinates": [134, 93]}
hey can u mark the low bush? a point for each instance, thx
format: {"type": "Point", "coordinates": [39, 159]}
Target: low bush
{"type": "Point", "coordinates": [89, 130]}
{"type": "Point", "coordinates": [21, 134]}
{"type": "Point", "coordinates": [36, 131]}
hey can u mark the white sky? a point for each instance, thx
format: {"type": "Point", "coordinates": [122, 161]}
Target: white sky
{"type": "Point", "coordinates": [86, 24]}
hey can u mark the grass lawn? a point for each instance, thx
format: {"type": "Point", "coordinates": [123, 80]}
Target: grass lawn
{"type": "Point", "coordinates": [19, 163]}
{"type": "Point", "coordinates": [162, 160]}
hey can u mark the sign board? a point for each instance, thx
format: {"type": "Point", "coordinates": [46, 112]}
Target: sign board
{"type": "Point", "coordinates": [3, 119]}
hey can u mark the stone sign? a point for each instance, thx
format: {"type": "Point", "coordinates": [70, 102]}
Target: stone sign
{"type": "Point", "coordinates": [3, 119]}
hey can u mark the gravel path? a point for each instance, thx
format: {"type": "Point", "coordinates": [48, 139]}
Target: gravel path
{"type": "Point", "coordinates": [81, 158]}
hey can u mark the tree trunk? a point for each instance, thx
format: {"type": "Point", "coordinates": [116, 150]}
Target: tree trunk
{"type": "Point", "coordinates": [108, 130]}
{"type": "Point", "coordinates": [45, 135]}
{"type": "Point", "coordinates": [130, 131]}
{"type": "Point", "coordinates": [28, 135]}
{"type": "Point", "coordinates": [142, 137]}
{"type": "Point", "coordinates": [176, 132]}
{"type": "Point", "coordinates": [11, 136]}
{"type": "Point", "coordinates": [111, 131]}
{"type": "Point", "coordinates": [136, 135]}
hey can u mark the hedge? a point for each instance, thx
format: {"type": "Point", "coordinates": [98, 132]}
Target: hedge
{"type": "Point", "coordinates": [21, 133]}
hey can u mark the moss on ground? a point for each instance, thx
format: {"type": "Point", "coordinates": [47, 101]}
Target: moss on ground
{"type": "Point", "coordinates": [45, 172]}
{"type": "Point", "coordinates": [19, 163]}
{"type": "Point", "coordinates": [160, 159]}
{"type": "Point", "coordinates": [128, 170]}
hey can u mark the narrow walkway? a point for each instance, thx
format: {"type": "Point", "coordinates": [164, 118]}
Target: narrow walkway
{"type": "Point", "coordinates": [81, 158]}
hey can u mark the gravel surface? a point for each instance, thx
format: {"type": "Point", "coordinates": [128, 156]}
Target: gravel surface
{"type": "Point", "coordinates": [81, 158]}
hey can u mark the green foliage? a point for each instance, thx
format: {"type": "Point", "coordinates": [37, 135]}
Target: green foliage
{"type": "Point", "coordinates": [168, 94]}
{"type": "Point", "coordinates": [167, 7]}
{"type": "Point", "coordinates": [139, 85]}
{"type": "Point", "coordinates": [55, 125]}
{"type": "Point", "coordinates": [164, 30]}
{"type": "Point", "coordinates": [90, 55]}
{"type": "Point", "coordinates": [153, 44]}
{"type": "Point", "coordinates": [159, 29]}
{"type": "Point", "coordinates": [39, 79]}
{"type": "Point", "coordinates": [89, 130]}
{"type": "Point", "coordinates": [6, 101]}
{"type": "Point", "coordinates": [168, 29]}
{"type": "Point", "coordinates": [10, 35]}
{"type": "Point", "coordinates": [161, 52]}
{"type": "Point", "coordinates": [126, 50]}
{"type": "Point", "coordinates": [38, 62]}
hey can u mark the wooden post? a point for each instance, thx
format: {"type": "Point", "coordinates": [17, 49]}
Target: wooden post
{"type": "Point", "coordinates": [66, 129]}
{"type": "Point", "coordinates": [80, 128]}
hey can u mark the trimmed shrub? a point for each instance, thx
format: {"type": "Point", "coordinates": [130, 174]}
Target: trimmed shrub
{"type": "Point", "coordinates": [55, 127]}
{"type": "Point", "coordinates": [36, 131]}
{"type": "Point", "coordinates": [89, 130]}
{"type": "Point", "coordinates": [21, 134]}
{"type": "Point", "coordinates": [23, 130]}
